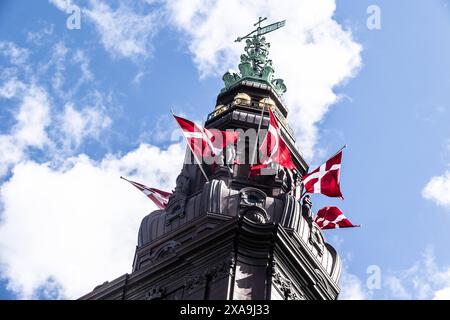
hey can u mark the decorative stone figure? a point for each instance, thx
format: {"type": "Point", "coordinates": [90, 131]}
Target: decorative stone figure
{"type": "Point", "coordinates": [177, 201]}
{"type": "Point", "coordinates": [306, 208]}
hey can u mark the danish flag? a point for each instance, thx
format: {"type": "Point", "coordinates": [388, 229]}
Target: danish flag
{"type": "Point", "coordinates": [204, 141]}
{"type": "Point", "coordinates": [159, 197]}
{"type": "Point", "coordinates": [332, 218]}
{"type": "Point", "coordinates": [326, 178]}
{"type": "Point", "coordinates": [274, 148]}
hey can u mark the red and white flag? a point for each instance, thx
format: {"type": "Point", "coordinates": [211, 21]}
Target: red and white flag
{"type": "Point", "coordinates": [326, 178]}
{"type": "Point", "coordinates": [274, 148]}
{"type": "Point", "coordinates": [332, 218]}
{"type": "Point", "coordinates": [204, 141]}
{"type": "Point", "coordinates": [159, 197]}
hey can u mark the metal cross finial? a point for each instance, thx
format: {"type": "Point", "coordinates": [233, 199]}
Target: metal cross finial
{"type": "Point", "coordinates": [261, 19]}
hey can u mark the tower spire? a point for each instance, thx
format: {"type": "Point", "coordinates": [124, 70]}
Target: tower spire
{"type": "Point", "coordinates": [224, 233]}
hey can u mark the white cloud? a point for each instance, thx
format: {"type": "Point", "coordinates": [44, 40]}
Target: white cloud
{"type": "Point", "coordinates": [64, 64]}
{"type": "Point", "coordinates": [443, 294]}
{"type": "Point", "coordinates": [31, 120]}
{"type": "Point", "coordinates": [38, 37]}
{"type": "Point", "coordinates": [11, 88]}
{"type": "Point", "coordinates": [312, 53]}
{"type": "Point", "coordinates": [124, 33]}
{"type": "Point", "coordinates": [63, 220]}
{"type": "Point", "coordinates": [57, 60]}
{"type": "Point", "coordinates": [138, 77]}
{"type": "Point", "coordinates": [79, 125]}
{"type": "Point", "coordinates": [84, 63]}
{"type": "Point", "coordinates": [13, 53]}
{"type": "Point", "coordinates": [61, 4]}
{"type": "Point", "coordinates": [396, 288]}
{"type": "Point", "coordinates": [438, 190]}
{"type": "Point", "coordinates": [38, 123]}
{"type": "Point", "coordinates": [424, 280]}
{"type": "Point", "coordinates": [77, 219]}
{"type": "Point", "coordinates": [351, 286]}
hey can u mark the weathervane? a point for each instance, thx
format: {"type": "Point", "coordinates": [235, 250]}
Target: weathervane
{"type": "Point", "coordinates": [262, 30]}
{"type": "Point", "coordinates": [255, 63]}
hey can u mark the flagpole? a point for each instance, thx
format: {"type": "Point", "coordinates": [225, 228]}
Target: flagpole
{"type": "Point", "coordinates": [193, 153]}
{"type": "Point", "coordinates": [303, 193]}
{"type": "Point", "coordinates": [345, 146]}
{"type": "Point", "coordinates": [124, 179]}
{"type": "Point", "coordinates": [257, 135]}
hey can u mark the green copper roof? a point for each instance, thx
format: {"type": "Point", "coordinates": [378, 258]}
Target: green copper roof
{"type": "Point", "coordinates": [255, 64]}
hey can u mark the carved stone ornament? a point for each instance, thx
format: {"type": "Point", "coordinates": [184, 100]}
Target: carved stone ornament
{"type": "Point", "coordinates": [316, 238]}
{"type": "Point", "coordinates": [285, 285]}
{"type": "Point", "coordinates": [252, 203]}
{"type": "Point", "coordinates": [322, 279]}
{"type": "Point", "coordinates": [196, 281]}
{"type": "Point", "coordinates": [221, 269]}
{"type": "Point", "coordinates": [257, 215]}
{"type": "Point", "coordinates": [252, 197]}
{"type": "Point", "coordinates": [164, 250]}
{"type": "Point", "coordinates": [155, 292]}
{"type": "Point", "coordinates": [193, 282]}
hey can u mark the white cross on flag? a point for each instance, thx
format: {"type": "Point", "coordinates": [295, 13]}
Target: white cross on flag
{"type": "Point", "coordinates": [326, 178]}
{"type": "Point", "coordinates": [332, 218]}
{"type": "Point", "coordinates": [274, 148]}
{"type": "Point", "coordinates": [159, 197]}
{"type": "Point", "coordinates": [204, 141]}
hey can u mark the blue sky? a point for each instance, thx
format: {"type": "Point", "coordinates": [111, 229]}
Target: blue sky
{"type": "Point", "coordinates": [100, 99]}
